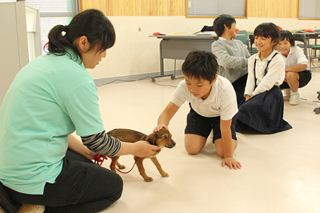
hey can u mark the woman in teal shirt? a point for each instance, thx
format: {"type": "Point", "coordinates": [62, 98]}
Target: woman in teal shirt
{"type": "Point", "coordinates": [50, 98]}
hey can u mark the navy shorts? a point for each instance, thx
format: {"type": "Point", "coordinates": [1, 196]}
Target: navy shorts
{"type": "Point", "coordinates": [304, 78]}
{"type": "Point", "coordinates": [200, 125]}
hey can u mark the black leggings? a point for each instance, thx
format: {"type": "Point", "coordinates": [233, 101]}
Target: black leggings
{"type": "Point", "coordinates": [82, 186]}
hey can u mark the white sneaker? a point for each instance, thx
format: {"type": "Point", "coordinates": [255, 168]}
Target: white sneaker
{"type": "Point", "coordinates": [294, 98]}
{"type": "Point", "coordinates": [286, 94]}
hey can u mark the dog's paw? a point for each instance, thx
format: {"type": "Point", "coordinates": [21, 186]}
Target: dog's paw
{"type": "Point", "coordinates": [121, 166]}
{"type": "Point", "coordinates": [317, 110]}
{"type": "Point", "coordinates": [164, 174]}
{"type": "Point", "coordinates": [148, 179]}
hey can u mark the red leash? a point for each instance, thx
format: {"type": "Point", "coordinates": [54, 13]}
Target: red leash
{"type": "Point", "coordinates": [98, 159]}
{"type": "Point", "coordinates": [126, 171]}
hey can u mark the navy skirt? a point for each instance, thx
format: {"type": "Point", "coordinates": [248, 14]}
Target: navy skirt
{"type": "Point", "coordinates": [263, 113]}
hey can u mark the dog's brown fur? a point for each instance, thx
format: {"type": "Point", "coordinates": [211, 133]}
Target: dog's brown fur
{"type": "Point", "coordinates": [161, 138]}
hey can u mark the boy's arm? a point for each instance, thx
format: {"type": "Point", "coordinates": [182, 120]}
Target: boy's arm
{"type": "Point", "coordinates": [166, 115]}
{"type": "Point", "coordinates": [227, 145]}
{"type": "Point", "coordinates": [297, 68]}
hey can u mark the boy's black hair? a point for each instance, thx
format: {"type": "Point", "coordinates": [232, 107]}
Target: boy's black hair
{"type": "Point", "coordinates": [221, 21]}
{"type": "Point", "coordinates": [267, 30]}
{"type": "Point", "coordinates": [91, 23]}
{"type": "Point", "coordinates": [287, 35]}
{"type": "Point", "coordinates": [200, 65]}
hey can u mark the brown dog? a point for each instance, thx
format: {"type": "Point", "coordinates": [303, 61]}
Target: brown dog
{"type": "Point", "coordinates": [161, 138]}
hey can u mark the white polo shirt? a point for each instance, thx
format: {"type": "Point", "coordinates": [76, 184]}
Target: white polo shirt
{"type": "Point", "coordinates": [221, 101]}
{"type": "Point", "coordinates": [295, 56]}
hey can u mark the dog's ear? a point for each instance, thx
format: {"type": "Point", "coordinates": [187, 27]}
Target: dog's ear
{"type": "Point", "coordinates": [151, 138]}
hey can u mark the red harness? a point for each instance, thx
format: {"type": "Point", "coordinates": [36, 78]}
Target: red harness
{"type": "Point", "coordinates": [98, 159]}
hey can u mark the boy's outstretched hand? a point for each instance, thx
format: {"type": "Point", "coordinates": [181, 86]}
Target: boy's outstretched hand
{"type": "Point", "coordinates": [231, 163]}
{"type": "Point", "coordinates": [160, 126]}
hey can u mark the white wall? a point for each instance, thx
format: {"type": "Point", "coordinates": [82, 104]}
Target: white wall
{"type": "Point", "coordinates": [136, 53]}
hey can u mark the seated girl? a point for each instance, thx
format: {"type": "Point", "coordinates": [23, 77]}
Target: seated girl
{"type": "Point", "coordinates": [262, 111]}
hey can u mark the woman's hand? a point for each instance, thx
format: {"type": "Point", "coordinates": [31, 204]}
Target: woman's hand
{"type": "Point", "coordinates": [77, 146]}
{"type": "Point", "coordinates": [144, 149]}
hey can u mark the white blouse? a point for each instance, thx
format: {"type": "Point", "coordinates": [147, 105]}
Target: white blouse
{"type": "Point", "coordinates": [265, 81]}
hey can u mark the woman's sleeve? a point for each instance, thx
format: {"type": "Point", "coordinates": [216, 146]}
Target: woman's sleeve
{"type": "Point", "coordinates": [82, 106]}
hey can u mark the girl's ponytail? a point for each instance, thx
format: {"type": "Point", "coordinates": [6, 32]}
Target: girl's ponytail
{"type": "Point", "coordinates": [58, 40]}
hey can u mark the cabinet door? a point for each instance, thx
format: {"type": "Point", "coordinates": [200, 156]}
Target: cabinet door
{"type": "Point", "coordinates": [13, 42]}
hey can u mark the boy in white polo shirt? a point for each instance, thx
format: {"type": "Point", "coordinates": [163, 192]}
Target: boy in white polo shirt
{"type": "Point", "coordinates": [297, 75]}
{"type": "Point", "coordinates": [213, 104]}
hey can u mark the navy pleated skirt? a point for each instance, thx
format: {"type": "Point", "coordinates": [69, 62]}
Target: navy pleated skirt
{"type": "Point", "coordinates": [263, 114]}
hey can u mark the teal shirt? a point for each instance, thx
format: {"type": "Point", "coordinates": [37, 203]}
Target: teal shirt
{"type": "Point", "coordinates": [50, 98]}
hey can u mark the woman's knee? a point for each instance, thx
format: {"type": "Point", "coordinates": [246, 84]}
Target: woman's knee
{"type": "Point", "coordinates": [118, 187]}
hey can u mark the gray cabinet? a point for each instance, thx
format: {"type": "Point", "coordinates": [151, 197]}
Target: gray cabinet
{"type": "Point", "coordinates": [13, 40]}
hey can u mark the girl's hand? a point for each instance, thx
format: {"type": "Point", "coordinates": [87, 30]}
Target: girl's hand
{"type": "Point", "coordinates": [247, 97]}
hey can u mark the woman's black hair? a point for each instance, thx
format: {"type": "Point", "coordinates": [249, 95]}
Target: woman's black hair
{"type": "Point", "coordinates": [221, 21]}
{"type": "Point", "coordinates": [200, 65]}
{"type": "Point", "coordinates": [91, 23]}
{"type": "Point", "coordinates": [287, 35]}
{"type": "Point", "coordinates": [267, 30]}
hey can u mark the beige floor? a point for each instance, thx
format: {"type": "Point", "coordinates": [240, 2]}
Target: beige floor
{"type": "Point", "coordinates": [280, 172]}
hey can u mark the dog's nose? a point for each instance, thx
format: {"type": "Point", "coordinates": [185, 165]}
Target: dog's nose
{"type": "Point", "coordinates": [171, 144]}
